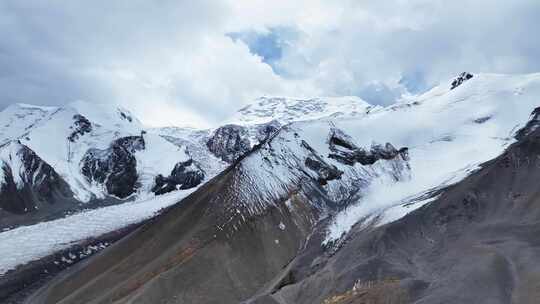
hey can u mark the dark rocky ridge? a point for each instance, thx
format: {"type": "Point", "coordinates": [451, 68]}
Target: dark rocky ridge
{"type": "Point", "coordinates": [265, 131]}
{"type": "Point", "coordinates": [115, 167]}
{"type": "Point", "coordinates": [531, 126]}
{"type": "Point", "coordinates": [345, 150]}
{"type": "Point", "coordinates": [185, 175]}
{"type": "Point", "coordinates": [460, 79]}
{"type": "Point", "coordinates": [229, 142]}
{"type": "Point", "coordinates": [325, 172]}
{"type": "Point", "coordinates": [41, 186]}
{"type": "Point", "coordinates": [80, 127]}
{"type": "Point", "coordinates": [125, 116]}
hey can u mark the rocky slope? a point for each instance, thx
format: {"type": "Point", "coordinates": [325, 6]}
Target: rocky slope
{"type": "Point", "coordinates": [103, 157]}
{"type": "Point", "coordinates": [431, 200]}
{"type": "Point", "coordinates": [475, 243]}
{"type": "Point", "coordinates": [27, 183]}
{"type": "Point", "coordinates": [246, 204]}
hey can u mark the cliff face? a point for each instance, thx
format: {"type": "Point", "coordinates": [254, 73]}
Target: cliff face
{"type": "Point", "coordinates": [229, 142]}
{"type": "Point", "coordinates": [115, 167]}
{"type": "Point", "coordinates": [28, 183]}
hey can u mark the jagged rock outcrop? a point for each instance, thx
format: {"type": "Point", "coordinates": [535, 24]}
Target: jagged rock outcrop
{"type": "Point", "coordinates": [125, 115]}
{"type": "Point", "coordinates": [81, 126]}
{"type": "Point", "coordinates": [27, 183]}
{"type": "Point", "coordinates": [532, 124]}
{"type": "Point", "coordinates": [460, 79]}
{"type": "Point", "coordinates": [229, 142]}
{"type": "Point", "coordinates": [115, 167]}
{"type": "Point", "coordinates": [185, 175]}
{"type": "Point", "coordinates": [344, 150]}
{"type": "Point", "coordinates": [325, 172]}
{"type": "Point", "coordinates": [266, 130]}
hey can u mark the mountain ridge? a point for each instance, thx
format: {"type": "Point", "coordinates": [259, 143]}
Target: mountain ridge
{"type": "Point", "coordinates": [284, 185]}
{"type": "Point", "coordinates": [301, 198]}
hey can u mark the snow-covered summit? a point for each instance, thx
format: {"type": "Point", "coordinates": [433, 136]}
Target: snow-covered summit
{"type": "Point", "coordinates": [19, 120]}
{"type": "Point", "coordinates": [107, 115]}
{"type": "Point", "coordinates": [287, 109]}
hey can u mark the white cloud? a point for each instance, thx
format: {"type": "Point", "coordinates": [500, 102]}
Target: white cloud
{"type": "Point", "coordinates": [173, 63]}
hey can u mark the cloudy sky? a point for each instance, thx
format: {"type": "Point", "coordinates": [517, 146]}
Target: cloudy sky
{"type": "Point", "coordinates": [197, 62]}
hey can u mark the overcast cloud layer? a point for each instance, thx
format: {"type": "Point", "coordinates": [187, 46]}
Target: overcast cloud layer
{"type": "Point", "coordinates": [196, 62]}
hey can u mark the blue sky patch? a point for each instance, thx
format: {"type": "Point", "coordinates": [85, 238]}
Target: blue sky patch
{"type": "Point", "coordinates": [268, 45]}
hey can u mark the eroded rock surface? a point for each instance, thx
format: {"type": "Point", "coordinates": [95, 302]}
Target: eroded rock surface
{"type": "Point", "coordinates": [229, 142]}
{"type": "Point", "coordinates": [27, 182]}
{"type": "Point", "coordinates": [185, 175]}
{"type": "Point", "coordinates": [81, 126]}
{"type": "Point", "coordinates": [114, 167]}
{"type": "Point", "coordinates": [345, 150]}
{"type": "Point", "coordinates": [460, 79]}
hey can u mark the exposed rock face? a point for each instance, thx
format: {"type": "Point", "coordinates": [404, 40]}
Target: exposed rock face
{"type": "Point", "coordinates": [345, 150]}
{"type": "Point", "coordinates": [325, 172]}
{"type": "Point", "coordinates": [460, 79]}
{"type": "Point", "coordinates": [125, 116]}
{"type": "Point", "coordinates": [185, 175]}
{"type": "Point", "coordinates": [115, 167]}
{"type": "Point", "coordinates": [80, 127]}
{"type": "Point", "coordinates": [130, 143]}
{"type": "Point", "coordinates": [229, 142]}
{"type": "Point", "coordinates": [28, 183]}
{"type": "Point", "coordinates": [266, 130]}
{"type": "Point", "coordinates": [532, 125]}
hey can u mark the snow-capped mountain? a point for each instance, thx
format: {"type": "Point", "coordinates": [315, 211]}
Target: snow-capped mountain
{"type": "Point", "coordinates": [90, 153]}
{"type": "Point", "coordinates": [105, 155]}
{"type": "Point", "coordinates": [279, 197]}
{"type": "Point", "coordinates": [61, 136]}
{"type": "Point", "coordinates": [287, 109]}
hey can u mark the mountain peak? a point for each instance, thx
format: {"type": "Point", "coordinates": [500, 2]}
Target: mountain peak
{"type": "Point", "coordinates": [288, 109]}
{"type": "Point", "coordinates": [105, 113]}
